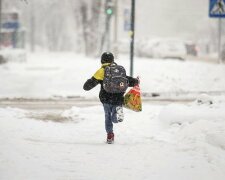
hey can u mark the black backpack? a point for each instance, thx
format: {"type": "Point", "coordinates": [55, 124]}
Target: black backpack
{"type": "Point", "coordinates": [115, 79]}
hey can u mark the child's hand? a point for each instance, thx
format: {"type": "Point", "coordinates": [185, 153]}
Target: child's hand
{"type": "Point", "coordinates": [138, 78]}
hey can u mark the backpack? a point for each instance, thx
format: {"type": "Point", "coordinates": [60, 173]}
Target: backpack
{"type": "Point", "coordinates": [115, 79]}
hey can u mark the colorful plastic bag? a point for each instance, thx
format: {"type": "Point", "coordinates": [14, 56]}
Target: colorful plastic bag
{"type": "Point", "coordinates": [132, 99]}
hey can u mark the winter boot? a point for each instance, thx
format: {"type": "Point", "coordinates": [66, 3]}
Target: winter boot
{"type": "Point", "coordinates": [110, 138]}
{"type": "Point", "coordinates": [120, 115]}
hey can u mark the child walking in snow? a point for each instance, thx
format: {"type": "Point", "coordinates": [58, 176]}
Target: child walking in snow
{"type": "Point", "coordinates": [112, 102]}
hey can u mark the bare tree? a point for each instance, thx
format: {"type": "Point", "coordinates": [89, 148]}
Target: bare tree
{"type": "Point", "coordinates": [88, 17]}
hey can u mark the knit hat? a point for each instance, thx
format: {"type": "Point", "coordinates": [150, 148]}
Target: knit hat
{"type": "Point", "coordinates": [107, 57]}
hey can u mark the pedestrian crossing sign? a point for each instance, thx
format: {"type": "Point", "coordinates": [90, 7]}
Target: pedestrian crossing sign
{"type": "Point", "coordinates": [217, 8]}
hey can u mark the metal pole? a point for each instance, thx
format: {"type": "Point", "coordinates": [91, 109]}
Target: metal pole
{"type": "Point", "coordinates": [32, 27]}
{"type": "Point", "coordinates": [116, 29]}
{"type": "Point", "coordinates": [0, 24]}
{"type": "Point", "coordinates": [106, 37]}
{"type": "Point", "coordinates": [132, 33]}
{"type": "Point", "coordinates": [219, 39]}
{"type": "Point", "coordinates": [108, 33]}
{"type": "Point", "coordinates": [105, 42]}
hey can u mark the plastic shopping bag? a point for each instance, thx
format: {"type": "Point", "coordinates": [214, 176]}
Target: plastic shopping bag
{"type": "Point", "coordinates": [132, 99]}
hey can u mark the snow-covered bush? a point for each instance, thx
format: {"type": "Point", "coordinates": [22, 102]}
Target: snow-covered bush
{"type": "Point", "coordinates": [196, 125]}
{"type": "Point", "coordinates": [13, 55]}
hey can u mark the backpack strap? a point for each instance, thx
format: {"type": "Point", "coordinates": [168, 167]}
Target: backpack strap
{"type": "Point", "coordinates": [105, 65]}
{"type": "Point", "coordinates": [113, 63]}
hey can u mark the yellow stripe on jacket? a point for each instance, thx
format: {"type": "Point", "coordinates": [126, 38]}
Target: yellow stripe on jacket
{"type": "Point", "coordinates": [99, 75]}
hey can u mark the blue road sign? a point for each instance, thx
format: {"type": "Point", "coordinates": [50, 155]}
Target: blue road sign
{"type": "Point", "coordinates": [10, 25]}
{"type": "Point", "coordinates": [217, 8]}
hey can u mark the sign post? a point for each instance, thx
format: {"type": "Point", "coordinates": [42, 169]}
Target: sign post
{"type": "Point", "coordinates": [0, 23]}
{"type": "Point", "coordinates": [217, 10]}
{"type": "Point", "coordinates": [132, 33]}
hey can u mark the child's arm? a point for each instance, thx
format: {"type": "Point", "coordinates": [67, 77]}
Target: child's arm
{"type": "Point", "coordinates": [90, 83]}
{"type": "Point", "coordinates": [95, 80]}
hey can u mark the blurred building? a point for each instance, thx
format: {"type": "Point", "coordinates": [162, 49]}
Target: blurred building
{"type": "Point", "coordinates": [12, 34]}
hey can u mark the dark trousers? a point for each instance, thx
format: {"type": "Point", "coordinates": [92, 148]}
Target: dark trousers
{"type": "Point", "coordinates": [113, 114]}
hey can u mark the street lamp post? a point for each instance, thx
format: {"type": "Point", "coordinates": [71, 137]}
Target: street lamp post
{"type": "Point", "coordinates": [106, 35]}
{"type": "Point", "coordinates": [219, 40]}
{"type": "Point", "coordinates": [0, 23]}
{"type": "Point", "coordinates": [115, 28]}
{"type": "Point", "coordinates": [132, 33]}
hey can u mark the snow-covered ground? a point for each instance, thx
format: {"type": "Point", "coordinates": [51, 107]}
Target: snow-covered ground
{"type": "Point", "coordinates": [179, 142]}
{"type": "Point", "coordinates": [174, 141]}
{"type": "Point", "coordinates": [48, 75]}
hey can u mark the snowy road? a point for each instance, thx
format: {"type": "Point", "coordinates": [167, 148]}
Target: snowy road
{"type": "Point", "coordinates": [47, 103]}
{"type": "Point", "coordinates": [62, 104]}
{"type": "Point", "coordinates": [158, 143]}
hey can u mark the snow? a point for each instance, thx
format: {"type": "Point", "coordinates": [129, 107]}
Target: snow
{"type": "Point", "coordinates": [63, 74]}
{"type": "Point", "coordinates": [177, 140]}
{"type": "Point", "coordinates": [13, 55]}
{"type": "Point", "coordinates": [146, 147]}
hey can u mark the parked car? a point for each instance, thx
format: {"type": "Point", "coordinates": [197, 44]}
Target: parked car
{"type": "Point", "coordinates": [13, 55]}
{"type": "Point", "coordinates": [169, 48]}
{"type": "Point", "coordinates": [140, 48]}
{"type": "Point", "coordinates": [144, 47]}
